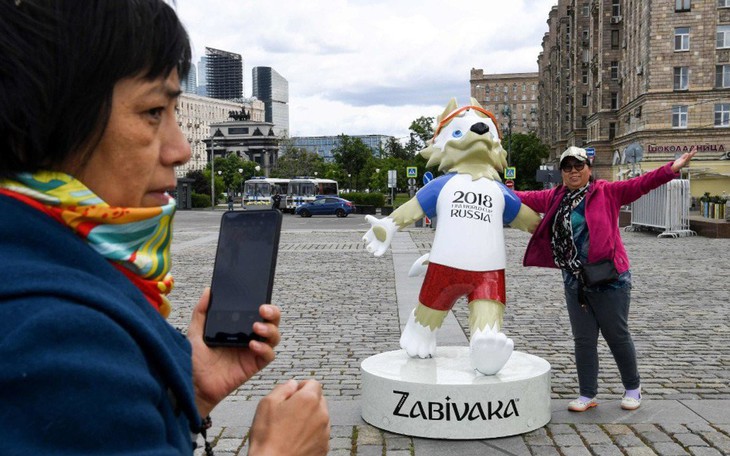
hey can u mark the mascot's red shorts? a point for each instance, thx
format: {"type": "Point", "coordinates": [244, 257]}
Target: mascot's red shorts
{"type": "Point", "coordinates": [443, 285]}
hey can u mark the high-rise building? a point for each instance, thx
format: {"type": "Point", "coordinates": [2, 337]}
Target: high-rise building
{"type": "Point", "coordinates": [190, 83]}
{"type": "Point", "coordinates": [651, 75]}
{"type": "Point", "coordinates": [273, 89]}
{"type": "Point", "coordinates": [224, 74]}
{"type": "Point", "coordinates": [202, 88]}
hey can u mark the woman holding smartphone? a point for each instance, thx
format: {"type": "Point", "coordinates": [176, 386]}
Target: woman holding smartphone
{"type": "Point", "coordinates": [89, 141]}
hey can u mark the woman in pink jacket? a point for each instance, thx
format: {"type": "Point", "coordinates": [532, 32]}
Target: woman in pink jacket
{"type": "Point", "coordinates": [580, 228]}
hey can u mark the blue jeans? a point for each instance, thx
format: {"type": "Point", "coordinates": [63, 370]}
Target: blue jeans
{"type": "Point", "coordinates": [604, 308]}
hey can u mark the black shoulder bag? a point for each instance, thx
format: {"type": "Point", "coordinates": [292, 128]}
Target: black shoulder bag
{"type": "Point", "coordinates": [598, 273]}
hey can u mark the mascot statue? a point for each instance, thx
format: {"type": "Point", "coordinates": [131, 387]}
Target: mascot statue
{"type": "Point", "coordinates": [468, 255]}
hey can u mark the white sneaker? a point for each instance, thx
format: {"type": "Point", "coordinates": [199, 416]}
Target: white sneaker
{"type": "Point", "coordinates": [579, 405]}
{"type": "Point", "coordinates": [629, 403]}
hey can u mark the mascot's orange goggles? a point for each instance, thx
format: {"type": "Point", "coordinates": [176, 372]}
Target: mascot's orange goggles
{"type": "Point", "coordinates": [448, 118]}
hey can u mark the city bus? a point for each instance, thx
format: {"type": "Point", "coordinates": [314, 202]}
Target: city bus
{"type": "Point", "coordinates": [257, 192]}
{"type": "Point", "coordinates": [305, 189]}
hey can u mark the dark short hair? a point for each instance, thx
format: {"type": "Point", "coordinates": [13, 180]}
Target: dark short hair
{"type": "Point", "coordinates": [59, 63]}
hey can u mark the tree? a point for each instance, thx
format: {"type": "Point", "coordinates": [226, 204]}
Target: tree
{"type": "Point", "coordinates": [200, 184]}
{"type": "Point", "coordinates": [296, 161]}
{"type": "Point", "coordinates": [527, 155]}
{"type": "Point", "coordinates": [352, 155]}
{"type": "Point", "coordinates": [421, 133]}
{"type": "Point", "coordinates": [228, 169]}
{"type": "Point", "coordinates": [394, 149]}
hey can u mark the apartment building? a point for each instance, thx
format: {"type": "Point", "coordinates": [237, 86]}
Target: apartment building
{"type": "Point", "coordinates": [653, 74]}
{"type": "Point", "coordinates": [195, 116]}
{"type": "Point", "coordinates": [511, 97]}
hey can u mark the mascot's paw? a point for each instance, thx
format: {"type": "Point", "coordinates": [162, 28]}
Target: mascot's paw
{"type": "Point", "coordinates": [378, 238]}
{"type": "Point", "coordinates": [490, 350]}
{"type": "Point", "coordinates": [418, 340]}
{"type": "Point", "coordinates": [418, 268]}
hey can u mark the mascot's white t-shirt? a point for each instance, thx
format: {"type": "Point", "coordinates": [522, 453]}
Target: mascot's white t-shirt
{"type": "Point", "coordinates": [471, 215]}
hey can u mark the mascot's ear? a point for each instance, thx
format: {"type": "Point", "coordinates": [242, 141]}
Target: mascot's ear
{"type": "Point", "coordinates": [474, 102]}
{"type": "Point", "coordinates": [450, 107]}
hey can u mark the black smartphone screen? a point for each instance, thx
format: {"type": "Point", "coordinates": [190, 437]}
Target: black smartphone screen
{"type": "Point", "coordinates": [243, 275]}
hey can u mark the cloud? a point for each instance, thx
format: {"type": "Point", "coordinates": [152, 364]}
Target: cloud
{"type": "Point", "coordinates": [368, 60]}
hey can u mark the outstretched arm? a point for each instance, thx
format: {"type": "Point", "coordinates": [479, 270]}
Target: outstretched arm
{"type": "Point", "coordinates": [526, 220]}
{"type": "Point", "coordinates": [377, 239]}
{"type": "Point", "coordinates": [682, 161]}
{"type": "Point", "coordinates": [407, 213]}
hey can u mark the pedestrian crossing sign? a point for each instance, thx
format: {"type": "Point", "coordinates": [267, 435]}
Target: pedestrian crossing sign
{"type": "Point", "coordinates": [411, 171]}
{"type": "Point", "coordinates": [510, 172]}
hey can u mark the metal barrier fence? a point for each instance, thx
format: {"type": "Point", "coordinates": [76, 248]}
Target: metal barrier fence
{"type": "Point", "coordinates": [665, 208]}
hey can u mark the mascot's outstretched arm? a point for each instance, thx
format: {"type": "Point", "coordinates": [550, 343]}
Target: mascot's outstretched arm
{"type": "Point", "coordinates": [526, 220]}
{"type": "Point", "coordinates": [379, 236]}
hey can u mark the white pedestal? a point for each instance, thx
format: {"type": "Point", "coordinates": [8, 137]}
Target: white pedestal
{"type": "Point", "coordinates": [444, 398]}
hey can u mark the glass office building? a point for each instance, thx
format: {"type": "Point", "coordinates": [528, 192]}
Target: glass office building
{"type": "Point", "coordinates": [273, 89]}
{"type": "Point", "coordinates": [323, 145]}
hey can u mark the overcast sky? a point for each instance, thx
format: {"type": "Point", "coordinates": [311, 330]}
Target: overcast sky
{"type": "Point", "coordinates": [370, 66]}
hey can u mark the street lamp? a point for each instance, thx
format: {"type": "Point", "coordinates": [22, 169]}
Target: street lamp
{"type": "Point", "coordinates": [349, 177]}
{"type": "Point", "coordinates": [240, 171]}
{"type": "Point", "coordinates": [217, 134]}
{"type": "Point", "coordinates": [256, 169]}
{"type": "Point", "coordinates": [508, 112]}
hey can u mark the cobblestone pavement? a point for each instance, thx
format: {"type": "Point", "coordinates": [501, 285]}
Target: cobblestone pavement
{"type": "Point", "coordinates": [339, 307]}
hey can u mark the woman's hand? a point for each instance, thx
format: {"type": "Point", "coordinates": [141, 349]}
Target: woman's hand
{"type": "Point", "coordinates": [293, 420]}
{"type": "Point", "coordinates": [683, 161]}
{"type": "Point", "coordinates": [219, 371]}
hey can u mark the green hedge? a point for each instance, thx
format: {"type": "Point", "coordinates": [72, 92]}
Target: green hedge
{"type": "Point", "coordinates": [367, 199]}
{"type": "Point", "coordinates": [198, 200]}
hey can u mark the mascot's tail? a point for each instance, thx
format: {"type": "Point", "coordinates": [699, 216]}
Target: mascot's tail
{"type": "Point", "coordinates": [418, 268]}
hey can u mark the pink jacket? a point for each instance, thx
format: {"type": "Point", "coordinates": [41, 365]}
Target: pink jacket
{"type": "Point", "coordinates": [602, 203]}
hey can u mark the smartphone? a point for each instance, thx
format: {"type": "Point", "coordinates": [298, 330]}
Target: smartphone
{"type": "Point", "coordinates": [243, 275]}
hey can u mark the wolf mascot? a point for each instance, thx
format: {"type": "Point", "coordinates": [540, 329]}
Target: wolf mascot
{"type": "Point", "coordinates": [468, 254]}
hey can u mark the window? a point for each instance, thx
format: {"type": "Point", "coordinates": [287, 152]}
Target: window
{"type": "Point", "coordinates": [681, 39]}
{"type": "Point", "coordinates": [583, 121]}
{"type": "Point", "coordinates": [611, 130]}
{"type": "Point", "coordinates": [616, 8]}
{"type": "Point", "coordinates": [615, 38]}
{"type": "Point", "coordinates": [682, 5]}
{"type": "Point", "coordinates": [722, 115]}
{"type": "Point", "coordinates": [679, 116]}
{"type": "Point", "coordinates": [681, 78]}
{"type": "Point", "coordinates": [584, 76]}
{"type": "Point", "coordinates": [586, 10]}
{"type": "Point", "coordinates": [614, 100]}
{"type": "Point", "coordinates": [585, 100]}
{"type": "Point", "coordinates": [614, 69]}
{"type": "Point", "coordinates": [722, 76]}
{"type": "Point", "coordinates": [723, 3]}
{"type": "Point", "coordinates": [723, 36]}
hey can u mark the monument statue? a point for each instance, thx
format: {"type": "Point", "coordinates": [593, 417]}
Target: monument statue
{"type": "Point", "coordinates": [486, 390]}
{"type": "Point", "coordinates": [468, 254]}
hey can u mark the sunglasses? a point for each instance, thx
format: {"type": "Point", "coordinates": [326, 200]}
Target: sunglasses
{"type": "Point", "coordinates": [575, 166]}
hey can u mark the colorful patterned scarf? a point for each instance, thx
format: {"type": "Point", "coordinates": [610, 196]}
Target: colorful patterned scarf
{"type": "Point", "coordinates": [565, 254]}
{"type": "Point", "coordinates": [136, 241]}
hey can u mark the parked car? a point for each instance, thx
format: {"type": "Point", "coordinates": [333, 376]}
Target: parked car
{"type": "Point", "coordinates": [325, 205]}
